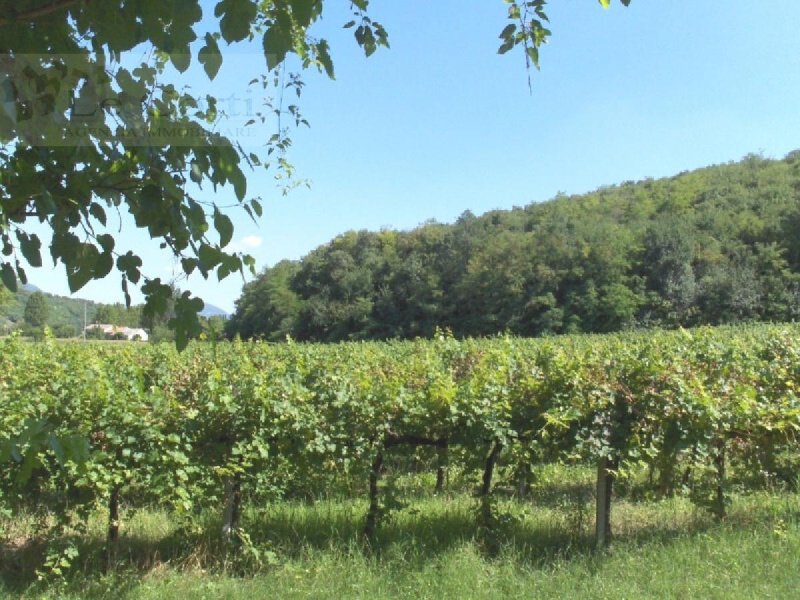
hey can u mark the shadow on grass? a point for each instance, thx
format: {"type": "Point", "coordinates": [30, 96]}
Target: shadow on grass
{"type": "Point", "coordinates": [531, 534]}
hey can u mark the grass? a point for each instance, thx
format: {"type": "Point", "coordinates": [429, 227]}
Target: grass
{"type": "Point", "coordinates": [432, 549]}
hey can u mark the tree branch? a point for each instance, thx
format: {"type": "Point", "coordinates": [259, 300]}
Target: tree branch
{"type": "Point", "coordinates": [392, 439]}
{"type": "Point", "coordinates": [37, 13]}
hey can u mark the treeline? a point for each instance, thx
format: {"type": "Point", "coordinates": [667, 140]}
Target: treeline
{"type": "Point", "coordinates": [157, 325]}
{"type": "Point", "coordinates": [64, 316]}
{"type": "Point", "coordinates": [712, 246]}
{"type": "Point", "coordinates": [30, 310]}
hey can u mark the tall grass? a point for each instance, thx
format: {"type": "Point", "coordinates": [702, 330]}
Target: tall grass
{"type": "Point", "coordinates": [433, 548]}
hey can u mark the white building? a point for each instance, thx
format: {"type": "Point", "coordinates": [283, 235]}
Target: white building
{"type": "Point", "coordinates": [130, 333]}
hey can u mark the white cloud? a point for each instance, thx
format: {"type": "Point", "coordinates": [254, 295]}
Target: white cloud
{"type": "Point", "coordinates": [251, 241]}
{"type": "Point", "coordinates": [245, 244]}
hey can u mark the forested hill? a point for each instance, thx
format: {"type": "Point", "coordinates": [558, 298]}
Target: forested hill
{"type": "Point", "coordinates": [716, 245]}
{"type": "Point", "coordinates": [67, 316]}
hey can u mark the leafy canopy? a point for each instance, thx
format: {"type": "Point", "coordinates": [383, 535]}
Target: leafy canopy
{"type": "Point", "coordinates": [86, 130]}
{"type": "Point", "coordinates": [36, 310]}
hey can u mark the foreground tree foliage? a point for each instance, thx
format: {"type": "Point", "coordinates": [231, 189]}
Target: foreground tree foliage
{"type": "Point", "coordinates": [717, 245]}
{"type": "Point", "coordinates": [86, 129]}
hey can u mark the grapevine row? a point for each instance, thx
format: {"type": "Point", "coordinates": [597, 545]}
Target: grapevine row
{"type": "Point", "coordinates": [88, 424]}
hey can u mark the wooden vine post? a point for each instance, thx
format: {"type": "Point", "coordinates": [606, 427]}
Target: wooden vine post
{"type": "Point", "coordinates": [374, 501]}
{"type": "Point", "coordinates": [767, 456]}
{"type": "Point", "coordinates": [719, 464]}
{"type": "Point", "coordinates": [231, 514]}
{"type": "Point", "coordinates": [112, 536]}
{"type": "Point", "coordinates": [486, 486]}
{"type": "Point", "coordinates": [605, 481]}
{"type": "Point", "coordinates": [616, 432]}
{"type": "Point", "coordinates": [442, 457]}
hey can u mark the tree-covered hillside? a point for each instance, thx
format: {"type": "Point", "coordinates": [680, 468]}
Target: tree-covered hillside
{"type": "Point", "coordinates": [715, 245]}
{"type": "Point", "coordinates": [64, 315]}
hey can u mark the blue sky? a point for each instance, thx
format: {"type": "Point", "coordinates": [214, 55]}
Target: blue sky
{"type": "Point", "coordinates": [440, 123]}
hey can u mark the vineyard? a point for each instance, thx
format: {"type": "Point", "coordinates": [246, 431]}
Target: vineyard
{"type": "Point", "coordinates": [231, 424]}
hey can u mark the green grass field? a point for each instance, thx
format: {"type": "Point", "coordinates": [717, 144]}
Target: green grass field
{"type": "Point", "coordinates": [433, 549]}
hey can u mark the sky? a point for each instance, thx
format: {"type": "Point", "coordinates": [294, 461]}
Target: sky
{"type": "Point", "coordinates": [440, 123]}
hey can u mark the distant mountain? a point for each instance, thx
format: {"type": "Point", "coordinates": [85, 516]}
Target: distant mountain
{"type": "Point", "coordinates": [213, 311]}
{"type": "Point", "coordinates": [66, 315]}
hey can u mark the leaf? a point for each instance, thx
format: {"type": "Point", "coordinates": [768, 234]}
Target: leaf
{"type": "Point", "coordinates": [304, 10]}
{"type": "Point", "coordinates": [125, 292]}
{"type": "Point", "coordinates": [30, 247]}
{"type": "Point", "coordinates": [181, 60]}
{"type": "Point", "coordinates": [324, 57]}
{"type": "Point", "coordinates": [196, 172]}
{"type": "Point", "coordinates": [185, 322]}
{"type": "Point", "coordinates": [250, 263]}
{"type": "Point", "coordinates": [103, 265]}
{"type": "Point", "coordinates": [45, 203]}
{"type": "Point", "coordinates": [9, 277]}
{"type": "Point", "coordinates": [533, 55]}
{"type": "Point", "coordinates": [55, 446]}
{"type": "Point", "coordinates": [237, 18]}
{"type": "Point", "coordinates": [97, 212]}
{"type": "Point", "coordinates": [369, 42]}
{"type": "Point", "coordinates": [76, 448]}
{"type": "Point", "coordinates": [84, 267]}
{"type": "Point", "coordinates": [21, 275]}
{"type": "Point", "coordinates": [224, 227]}
{"type": "Point", "coordinates": [277, 44]}
{"type": "Point", "coordinates": [195, 218]}
{"type": "Point", "coordinates": [239, 183]}
{"type": "Point", "coordinates": [106, 242]}
{"type": "Point", "coordinates": [129, 264]}
{"type": "Point", "coordinates": [505, 46]}
{"type": "Point", "coordinates": [156, 297]}
{"type": "Point", "coordinates": [189, 265]}
{"type": "Point", "coordinates": [78, 278]}
{"type": "Point", "coordinates": [508, 31]}
{"type": "Point", "coordinates": [249, 212]}
{"type": "Point", "coordinates": [29, 463]}
{"type": "Point", "coordinates": [209, 258]}
{"type": "Point", "coordinates": [210, 57]}
{"type": "Point", "coordinates": [6, 449]}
